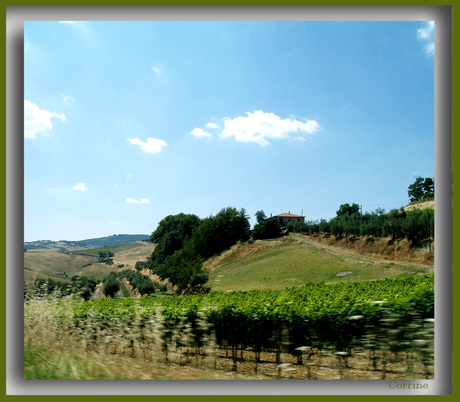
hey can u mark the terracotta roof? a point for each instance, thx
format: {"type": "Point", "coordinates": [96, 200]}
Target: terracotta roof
{"type": "Point", "coordinates": [285, 215]}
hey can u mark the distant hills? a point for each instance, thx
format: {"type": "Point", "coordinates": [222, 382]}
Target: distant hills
{"type": "Point", "coordinates": [66, 245]}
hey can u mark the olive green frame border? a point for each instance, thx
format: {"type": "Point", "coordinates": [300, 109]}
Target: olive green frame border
{"type": "Point", "coordinates": [7, 247]}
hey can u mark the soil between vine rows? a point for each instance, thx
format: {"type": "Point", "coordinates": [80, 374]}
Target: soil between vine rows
{"type": "Point", "coordinates": [320, 366]}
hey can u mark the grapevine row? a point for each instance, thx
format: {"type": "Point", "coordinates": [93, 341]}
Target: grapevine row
{"type": "Point", "coordinates": [318, 315]}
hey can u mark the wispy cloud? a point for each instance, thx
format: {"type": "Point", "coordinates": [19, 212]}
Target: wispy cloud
{"type": "Point", "coordinates": [259, 127]}
{"type": "Point", "coordinates": [426, 34]}
{"type": "Point", "coordinates": [67, 98]}
{"type": "Point", "coordinates": [133, 201]}
{"type": "Point", "coordinates": [80, 187]}
{"type": "Point", "coordinates": [157, 69]}
{"type": "Point", "coordinates": [38, 121]}
{"type": "Point", "coordinates": [152, 145]}
{"type": "Point", "coordinates": [84, 29]}
{"type": "Point", "coordinates": [129, 175]}
{"type": "Point", "coordinates": [199, 133]}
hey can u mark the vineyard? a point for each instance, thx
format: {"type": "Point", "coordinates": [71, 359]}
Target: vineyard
{"type": "Point", "coordinates": [344, 330]}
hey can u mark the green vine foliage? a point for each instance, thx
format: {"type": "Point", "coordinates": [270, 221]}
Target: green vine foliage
{"type": "Point", "coordinates": [316, 314]}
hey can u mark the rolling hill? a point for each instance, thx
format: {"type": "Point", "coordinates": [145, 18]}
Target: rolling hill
{"type": "Point", "coordinates": [62, 265]}
{"type": "Point", "coordinates": [263, 264]}
{"type": "Point", "coordinates": [65, 245]}
{"type": "Point", "coordinates": [296, 260]}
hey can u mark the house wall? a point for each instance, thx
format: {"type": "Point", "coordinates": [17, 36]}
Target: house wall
{"type": "Point", "coordinates": [285, 220]}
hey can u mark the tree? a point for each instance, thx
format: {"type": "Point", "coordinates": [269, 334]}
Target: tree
{"type": "Point", "coordinates": [415, 227]}
{"type": "Point", "coordinates": [111, 286]}
{"type": "Point", "coordinates": [171, 235]}
{"type": "Point", "coordinates": [220, 232]}
{"type": "Point", "coordinates": [394, 224]}
{"type": "Point", "coordinates": [266, 229]}
{"type": "Point", "coordinates": [182, 224]}
{"type": "Point", "coordinates": [347, 209]}
{"type": "Point", "coordinates": [183, 242]}
{"type": "Point", "coordinates": [180, 267]}
{"type": "Point", "coordinates": [86, 293]}
{"type": "Point", "coordinates": [260, 216]}
{"type": "Point", "coordinates": [421, 188]}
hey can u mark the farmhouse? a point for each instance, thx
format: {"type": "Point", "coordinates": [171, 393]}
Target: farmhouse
{"type": "Point", "coordinates": [285, 218]}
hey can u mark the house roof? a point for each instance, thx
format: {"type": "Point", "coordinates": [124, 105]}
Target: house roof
{"type": "Point", "coordinates": [285, 215]}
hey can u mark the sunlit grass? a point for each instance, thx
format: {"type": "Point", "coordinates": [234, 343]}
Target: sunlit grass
{"type": "Point", "coordinates": [276, 264]}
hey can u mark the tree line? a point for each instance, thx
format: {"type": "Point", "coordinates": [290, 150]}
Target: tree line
{"type": "Point", "coordinates": [115, 281]}
{"type": "Point", "coordinates": [415, 226]}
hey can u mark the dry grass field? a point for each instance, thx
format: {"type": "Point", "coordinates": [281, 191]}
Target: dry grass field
{"type": "Point", "coordinates": [43, 264]}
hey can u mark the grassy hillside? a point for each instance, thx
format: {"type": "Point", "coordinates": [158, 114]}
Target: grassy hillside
{"type": "Point", "coordinates": [291, 261]}
{"type": "Point", "coordinates": [63, 265]}
{"type": "Point", "coordinates": [262, 264]}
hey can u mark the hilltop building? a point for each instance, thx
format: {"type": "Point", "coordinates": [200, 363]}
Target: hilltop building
{"type": "Point", "coordinates": [285, 218]}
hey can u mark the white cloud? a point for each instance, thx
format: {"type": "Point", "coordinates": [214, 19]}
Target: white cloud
{"type": "Point", "coordinates": [152, 145]}
{"type": "Point", "coordinates": [129, 175]}
{"type": "Point", "coordinates": [199, 133]}
{"type": "Point", "coordinates": [114, 222]}
{"type": "Point", "coordinates": [80, 187]}
{"type": "Point", "coordinates": [115, 187]}
{"type": "Point", "coordinates": [38, 121]}
{"type": "Point", "coordinates": [68, 22]}
{"type": "Point", "coordinates": [133, 201]}
{"type": "Point", "coordinates": [426, 34]}
{"type": "Point", "coordinates": [60, 116]}
{"type": "Point", "coordinates": [259, 126]}
{"type": "Point", "coordinates": [212, 125]}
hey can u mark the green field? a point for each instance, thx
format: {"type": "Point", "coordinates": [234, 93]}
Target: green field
{"type": "Point", "coordinates": [276, 264]}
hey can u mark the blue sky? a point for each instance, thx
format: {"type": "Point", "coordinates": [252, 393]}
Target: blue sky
{"type": "Point", "coordinates": [128, 122]}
